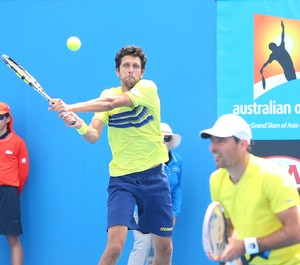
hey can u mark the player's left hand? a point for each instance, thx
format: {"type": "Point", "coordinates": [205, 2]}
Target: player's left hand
{"type": "Point", "coordinates": [71, 119]}
{"type": "Point", "coordinates": [233, 250]}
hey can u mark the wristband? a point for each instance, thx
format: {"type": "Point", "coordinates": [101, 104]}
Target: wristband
{"type": "Point", "coordinates": [83, 129]}
{"type": "Point", "coordinates": [251, 245]}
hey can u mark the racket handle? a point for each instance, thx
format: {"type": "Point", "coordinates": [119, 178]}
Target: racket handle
{"type": "Point", "coordinates": [72, 122]}
{"type": "Point", "coordinates": [244, 260]}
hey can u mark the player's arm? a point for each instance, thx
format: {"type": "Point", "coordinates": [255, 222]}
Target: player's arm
{"type": "Point", "coordinates": [270, 60]}
{"type": "Point", "coordinates": [94, 131]}
{"type": "Point", "coordinates": [282, 34]}
{"type": "Point", "coordinates": [95, 105]}
{"type": "Point", "coordinates": [102, 104]}
{"type": "Point", "coordinates": [90, 133]}
{"type": "Point", "coordinates": [288, 235]}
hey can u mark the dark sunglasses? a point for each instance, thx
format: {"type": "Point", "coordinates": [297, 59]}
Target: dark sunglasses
{"type": "Point", "coordinates": [167, 138]}
{"type": "Point", "coordinates": [2, 116]}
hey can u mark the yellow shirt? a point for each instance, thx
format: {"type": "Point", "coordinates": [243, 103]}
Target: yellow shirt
{"type": "Point", "coordinates": [264, 190]}
{"type": "Point", "coordinates": [134, 134]}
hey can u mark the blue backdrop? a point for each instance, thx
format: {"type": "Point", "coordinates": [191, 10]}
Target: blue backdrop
{"type": "Point", "coordinates": [64, 200]}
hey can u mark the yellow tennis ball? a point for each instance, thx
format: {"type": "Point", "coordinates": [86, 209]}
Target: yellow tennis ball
{"type": "Point", "coordinates": [74, 43]}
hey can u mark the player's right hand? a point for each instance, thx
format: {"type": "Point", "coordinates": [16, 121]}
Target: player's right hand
{"type": "Point", "coordinates": [58, 105]}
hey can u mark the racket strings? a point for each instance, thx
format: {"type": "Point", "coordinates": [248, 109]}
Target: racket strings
{"type": "Point", "coordinates": [217, 234]}
{"type": "Point", "coordinates": [25, 76]}
{"type": "Point", "coordinates": [214, 231]}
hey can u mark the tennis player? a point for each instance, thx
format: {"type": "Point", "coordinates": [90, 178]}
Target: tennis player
{"type": "Point", "coordinates": [132, 113]}
{"type": "Point", "coordinates": [14, 170]}
{"type": "Point", "coordinates": [260, 199]}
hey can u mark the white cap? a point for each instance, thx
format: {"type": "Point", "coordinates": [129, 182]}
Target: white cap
{"type": "Point", "coordinates": [176, 138]}
{"type": "Point", "coordinates": [229, 125]}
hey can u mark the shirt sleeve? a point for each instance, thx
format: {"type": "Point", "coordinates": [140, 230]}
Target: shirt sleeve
{"type": "Point", "coordinates": [23, 165]}
{"type": "Point", "coordinates": [176, 199]}
{"type": "Point", "coordinates": [280, 190]}
{"type": "Point", "coordinates": [177, 190]}
{"type": "Point", "coordinates": [144, 93]}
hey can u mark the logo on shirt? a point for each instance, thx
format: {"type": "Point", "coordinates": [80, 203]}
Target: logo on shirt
{"type": "Point", "coordinates": [24, 160]}
{"type": "Point", "coordinates": [135, 91]}
{"type": "Point", "coordinates": [8, 152]}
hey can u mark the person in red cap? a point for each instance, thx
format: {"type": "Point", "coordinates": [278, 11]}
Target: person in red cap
{"type": "Point", "coordinates": [14, 169]}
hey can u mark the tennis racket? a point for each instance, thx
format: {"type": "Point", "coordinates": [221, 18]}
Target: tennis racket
{"type": "Point", "coordinates": [214, 234]}
{"type": "Point", "coordinates": [214, 231]}
{"type": "Point", "coordinates": [27, 78]}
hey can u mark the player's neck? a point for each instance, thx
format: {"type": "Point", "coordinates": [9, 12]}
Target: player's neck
{"type": "Point", "coordinates": [237, 171]}
{"type": "Point", "coordinates": [125, 89]}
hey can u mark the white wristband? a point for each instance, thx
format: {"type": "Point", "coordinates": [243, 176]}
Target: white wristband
{"type": "Point", "coordinates": [251, 245]}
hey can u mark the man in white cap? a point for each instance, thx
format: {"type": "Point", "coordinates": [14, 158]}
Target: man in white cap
{"type": "Point", "coordinates": [142, 252]}
{"type": "Point", "coordinates": [14, 169]}
{"type": "Point", "coordinates": [260, 199]}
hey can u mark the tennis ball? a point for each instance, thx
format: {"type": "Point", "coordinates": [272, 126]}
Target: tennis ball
{"type": "Point", "coordinates": [74, 43]}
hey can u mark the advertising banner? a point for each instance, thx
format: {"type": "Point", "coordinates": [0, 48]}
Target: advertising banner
{"type": "Point", "coordinates": [258, 74]}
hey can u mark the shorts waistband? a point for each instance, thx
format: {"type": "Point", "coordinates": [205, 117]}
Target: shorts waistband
{"type": "Point", "coordinates": [148, 172]}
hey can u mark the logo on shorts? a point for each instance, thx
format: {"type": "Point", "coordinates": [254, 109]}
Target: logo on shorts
{"type": "Point", "coordinates": [166, 229]}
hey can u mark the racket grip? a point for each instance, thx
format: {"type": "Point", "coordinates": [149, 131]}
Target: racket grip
{"type": "Point", "coordinates": [72, 122]}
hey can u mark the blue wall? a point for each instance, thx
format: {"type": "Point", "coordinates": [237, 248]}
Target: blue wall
{"type": "Point", "coordinates": [64, 200]}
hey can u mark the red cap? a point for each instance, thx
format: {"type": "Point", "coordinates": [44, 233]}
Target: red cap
{"type": "Point", "coordinates": [4, 108]}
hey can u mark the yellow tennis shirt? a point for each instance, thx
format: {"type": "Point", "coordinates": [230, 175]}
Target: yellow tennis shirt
{"type": "Point", "coordinates": [134, 134]}
{"type": "Point", "coordinates": [264, 190]}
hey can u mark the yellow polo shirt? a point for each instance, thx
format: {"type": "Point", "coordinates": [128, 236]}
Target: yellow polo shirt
{"type": "Point", "coordinates": [134, 134]}
{"type": "Point", "coordinates": [264, 190]}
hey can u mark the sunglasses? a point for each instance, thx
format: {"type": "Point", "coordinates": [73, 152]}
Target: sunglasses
{"type": "Point", "coordinates": [167, 138]}
{"type": "Point", "coordinates": [2, 116]}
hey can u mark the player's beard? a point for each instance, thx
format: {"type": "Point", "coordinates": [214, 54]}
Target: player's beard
{"type": "Point", "coordinates": [129, 82]}
{"type": "Point", "coordinates": [219, 162]}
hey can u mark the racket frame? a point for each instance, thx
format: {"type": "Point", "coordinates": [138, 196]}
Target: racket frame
{"type": "Point", "coordinates": [209, 217]}
{"type": "Point", "coordinates": [25, 76]}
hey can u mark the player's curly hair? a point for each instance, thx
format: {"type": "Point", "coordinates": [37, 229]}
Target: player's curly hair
{"type": "Point", "coordinates": [133, 51]}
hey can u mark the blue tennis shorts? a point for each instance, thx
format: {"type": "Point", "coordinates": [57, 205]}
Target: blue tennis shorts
{"type": "Point", "coordinates": [10, 217]}
{"type": "Point", "coordinates": [150, 191]}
